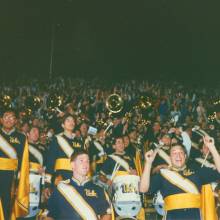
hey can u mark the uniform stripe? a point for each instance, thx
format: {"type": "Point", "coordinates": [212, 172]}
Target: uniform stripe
{"type": "Point", "coordinates": [77, 201]}
{"type": "Point", "coordinates": [67, 149]}
{"type": "Point", "coordinates": [179, 181]}
{"type": "Point", "coordinates": [7, 148]}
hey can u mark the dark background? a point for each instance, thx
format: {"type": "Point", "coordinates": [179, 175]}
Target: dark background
{"type": "Point", "coordinates": [120, 39]}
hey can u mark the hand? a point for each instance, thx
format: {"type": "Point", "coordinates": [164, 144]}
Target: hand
{"type": "Point", "coordinates": [150, 155]}
{"type": "Point", "coordinates": [209, 142]}
{"type": "Point", "coordinates": [109, 182]}
{"type": "Point", "coordinates": [41, 170]}
{"type": "Point", "coordinates": [47, 193]}
{"type": "Point", "coordinates": [133, 172]}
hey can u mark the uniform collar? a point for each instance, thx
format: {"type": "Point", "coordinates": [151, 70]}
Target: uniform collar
{"type": "Point", "coordinates": [72, 136]}
{"type": "Point", "coordinates": [8, 133]}
{"type": "Point", "coordinates": [178, 169]}
{"type": "Point", "coordinates": [120, 154]}
{"type": "Point", "coordinates": [80, 183]}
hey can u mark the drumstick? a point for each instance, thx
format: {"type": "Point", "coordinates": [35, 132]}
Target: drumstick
{"type": "Point", "coordinates": [110, 124]}
{"type": "Point", "coordinates": [115, 170]}
{"type": "Point", "coordinates": [205, 159]}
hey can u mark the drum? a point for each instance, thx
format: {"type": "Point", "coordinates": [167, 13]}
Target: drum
{"type": "Point", "coordinates": [35, 194]}
{"type": "Point", "coordinates": [126, 199]}
{"type": "Point", "coordinates": [159, 203]}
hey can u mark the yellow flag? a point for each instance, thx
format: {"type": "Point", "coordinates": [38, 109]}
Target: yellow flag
{"type": "Point", "coordinates": [1, 211]}
{"type": "Point", "coordinates": [21, 203]}
{"type": "Point", "coordinates": [208, 203]}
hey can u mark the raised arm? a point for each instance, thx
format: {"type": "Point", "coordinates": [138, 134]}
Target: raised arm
{"type": "Point", "coordinates": [210, 143]}
{"type": "Point", "coordinates": [145, 178]}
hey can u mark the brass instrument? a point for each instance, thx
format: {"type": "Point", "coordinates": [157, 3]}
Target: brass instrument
{"type": "Point", "coordinates": [213, 111]}
{"type": "Point", "coordinates": [54, 102]}
{"type": "Point", "coordinates": [143, 103]}
{"type": "Point", "coordinates": [6, 101]}
{"type": "Point", "coordinates": [32, 103]}
{"type": "Point", "coordinates": [114, 103]}
{"type": "Point", "coordinates": [143, 106]}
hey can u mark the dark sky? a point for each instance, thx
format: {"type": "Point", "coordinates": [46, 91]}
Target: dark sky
{"type": "Point", "coordinates": [151, 38]}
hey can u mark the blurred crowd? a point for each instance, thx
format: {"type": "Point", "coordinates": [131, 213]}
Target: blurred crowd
{"type": "Point", "coordinates": [43, 104]}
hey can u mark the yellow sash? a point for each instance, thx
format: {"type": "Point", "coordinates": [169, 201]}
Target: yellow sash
{"type": "Point", "coordinates": [65, 146]}
{"type": "Point", "coordinates": [182, 201]}
{"type": "Point", "coordinates": [76, 201]}
{"type": "Point", "coordinates": [8, 164]}
{"type": "Point", "coordinates": [62, 164]}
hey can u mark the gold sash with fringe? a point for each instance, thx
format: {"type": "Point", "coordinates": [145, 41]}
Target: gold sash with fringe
{"type": "Point", "coordinates": [77, 201]}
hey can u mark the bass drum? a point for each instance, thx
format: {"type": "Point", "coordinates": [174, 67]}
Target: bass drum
{"type": "Point", "coordinates": [126, 198]}
{"type": "Point", "coordinates": [35, 194]}
{"type": "Point", "coordinates": [158, 203]}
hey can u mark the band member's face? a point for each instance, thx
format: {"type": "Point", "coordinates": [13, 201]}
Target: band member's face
{"type": "Point", "coordinates": [80, 165]}
{"type": "Point", "coordinates": [83, 128]}
{"type": "Point", "coordinates": [177, 156]}
{"type": "Point", "coordinates": [69, 124]}
{"type": "Point", "coordinates": [133, 135]}
{"type": "Point", "coordinates": [9, 120]}
{"type": "Point", "coordinates": [126, 141]}
{"type": "Point", "coordinates": [119, 145]}
{"type": "Point", "coordinates": [33, 135]}
{"type": "Point", "coordinates": [166, 140]}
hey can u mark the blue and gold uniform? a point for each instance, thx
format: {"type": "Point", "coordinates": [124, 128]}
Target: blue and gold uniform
{"type": "Point", "coordinates": [89, 201]}
{"type": "Point", "coordinates": [13, 160]}
{"type": "Point", "coordinates": [97, 155]}
{"type": "Point", "coordinates": [110, 163]}
{"type": "Point", "coordinates": [57, 161]}
{"type": "Point", "coordinates": [36, 155]}
{"type": "Point", "coordinates": [181, 191]}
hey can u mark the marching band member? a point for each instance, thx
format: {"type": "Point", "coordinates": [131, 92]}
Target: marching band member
{"type": "Point", "coordinates": [203, 158]}
{"type": "Point", "coordinates": [78, 197]}
{"type": "Point", "coordinates": [96, 150]}
{"type": "Point", "coordinates": [118, 161]}
{"type": "Point", "coordinates": [14, 169]}
{"type": "Point", "coordinates": [37, 160]}
{"type": "Point", "coordinates": [60, 149]}
{"type": "Point", "coordinates": [179, 186]}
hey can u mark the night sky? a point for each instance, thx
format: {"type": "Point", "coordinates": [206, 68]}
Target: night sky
{"type": "Point", "coordinates": [125, 39]}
